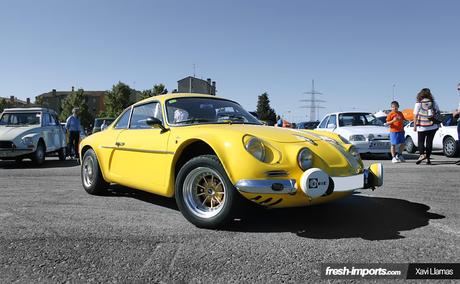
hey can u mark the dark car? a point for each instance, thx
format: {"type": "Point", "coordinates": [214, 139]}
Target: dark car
{"type": "Point", "coordinates": [98, 122]}
{"type": "Point", "coordinates": [307, 125]}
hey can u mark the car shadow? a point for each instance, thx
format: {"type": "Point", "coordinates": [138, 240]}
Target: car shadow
{"type": "Point", "coordinates": [116, 190]}
{"type": "Point", "coordinates": [369, 218]}
{"type": "Point", "coordinates": [27, 164]}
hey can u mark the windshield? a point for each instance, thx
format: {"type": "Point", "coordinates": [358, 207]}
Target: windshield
{"type": "Point", "coordinates": [195, 110]}
{"type": "Point", "coordinates": [16, 119]}
{"type": "Point", "coordinates": [358, 119]}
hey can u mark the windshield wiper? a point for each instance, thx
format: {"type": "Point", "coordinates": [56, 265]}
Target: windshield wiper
{"type": "Point", "coordinates": [231, 118]}
{"type": "Point", "coordinates": [192, 120]}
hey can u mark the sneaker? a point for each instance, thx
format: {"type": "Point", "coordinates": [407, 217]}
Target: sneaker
{"type": "Point", "coordinates": [420, 159]}
{"type": "Point", "coordinates": [395, 160]}
{"type": "Point", "coordinates": [401, 158]}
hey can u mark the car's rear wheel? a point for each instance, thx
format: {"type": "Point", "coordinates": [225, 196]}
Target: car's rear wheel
{"type": "Point", "coordinates": [62, 154]}
{"type": "Point", "coordinates": [38, 157]}
{"type": "Point", "coordinates": [204, 194]}
{"type": "Point", "coordinates": [91, 175]}
{"type": "Point", "coordinates": [410, 146]}
{"type": "Point", "coordinates": [449, 147]}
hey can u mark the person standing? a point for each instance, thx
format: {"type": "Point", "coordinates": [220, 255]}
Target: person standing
{"type": "Point", "coordinates": [424, 109]}
{"type": "Point", "coordinates": [395, 120]}
{"type": "Point", "coordinates": [104, 125]}
{"type": "Point", "coordinates": [279, 121]}
{"type": "Point", "coordinates": [456, 114]}
{"type": "Point", "coordinates": [74, 128]}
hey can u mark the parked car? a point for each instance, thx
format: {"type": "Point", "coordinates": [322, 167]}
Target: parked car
{"type": "Point", "coordinates": [362, 129]}
{"type": "Point", "coordinates": [98, 122]}
{"type": "Point", "coordinates": [445, 138]}
{"type": "Point", "coordinates": [31, 133]}
{"type": "Point", "coordinates": [307, 125]}
{"type": "Point", "coordinates": [210, 153]}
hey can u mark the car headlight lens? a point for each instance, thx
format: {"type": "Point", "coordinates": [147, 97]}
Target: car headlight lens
{"type": "Point", "coordinates": [357, 138]}
{"type": "Point", "coordinates": [255, 147]}
{"type": "Point", "coordinates": [27, 141]}
{"type": "Point", "coordinates": [354, 152]}
{"type": "Point", "coordinates": [305, 159]}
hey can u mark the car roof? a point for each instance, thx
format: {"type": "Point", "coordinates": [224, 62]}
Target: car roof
{"type": "Point", "coordinates": [163, 98]}
{"type": "Point", "coordinates": [30, 109]}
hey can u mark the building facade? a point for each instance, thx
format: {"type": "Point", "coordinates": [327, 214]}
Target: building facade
{"type": "Point", "coordinates": [194, 85]}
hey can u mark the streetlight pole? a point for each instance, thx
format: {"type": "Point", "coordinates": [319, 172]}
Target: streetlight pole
{"type": "Point", "coordinates": [394, 86]}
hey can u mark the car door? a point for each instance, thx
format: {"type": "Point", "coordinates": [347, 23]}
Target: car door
{"type": "Point", "coordinates": [48, 132]}
{"type": "Point", "coordinates": [141, 159]}
{"type": "Point", "coordinates": [438, 137]}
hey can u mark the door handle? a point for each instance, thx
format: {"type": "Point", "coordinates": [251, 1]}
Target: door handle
{"type": "Point", "coordinates": [119, 144]}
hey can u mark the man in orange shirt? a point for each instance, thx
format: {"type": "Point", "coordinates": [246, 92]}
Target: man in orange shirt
{"type": "Point", "coordinates": [395, 120]}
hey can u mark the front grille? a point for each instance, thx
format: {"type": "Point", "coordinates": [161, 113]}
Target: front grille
{"type": "Point", "coordinates": [279, 173]}
{"type": "Point", "coordinates": [6, 144]}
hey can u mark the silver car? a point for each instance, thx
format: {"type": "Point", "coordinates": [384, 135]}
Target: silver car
{"type": "Point", "coordinates": [31, 133]}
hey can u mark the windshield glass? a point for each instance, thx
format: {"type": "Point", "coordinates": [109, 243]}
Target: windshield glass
{"type": "Point", "coordinates": [25, 118]}
{"type": "Point", "coordinates": [358, 119]}
{"type": "Point", "coordinates": [195, 110]}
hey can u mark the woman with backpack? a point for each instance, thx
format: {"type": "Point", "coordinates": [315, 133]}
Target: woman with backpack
{"type": "Point", "coordinates": [424, 110]}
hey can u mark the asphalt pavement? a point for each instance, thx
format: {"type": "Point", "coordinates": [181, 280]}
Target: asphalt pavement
{"type": "Point", "coordinates": [53, 231]}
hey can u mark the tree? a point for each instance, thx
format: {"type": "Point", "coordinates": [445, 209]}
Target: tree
{"type": "Point", "coordinates": [3, 104]}
{"type": "Point", "coordinates": [158, 89]}
{"type": "Point", "coordinates": [76, 100]}
{"type": "Point", "coordinates": [264, 111]}
{"type": "Point", "coordinates": [117, 99]}
{"type": "Point", "coordinates": [39, 101]}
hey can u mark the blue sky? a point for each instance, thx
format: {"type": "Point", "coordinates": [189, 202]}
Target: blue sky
{"type": "Point", "coordinates": [354, 50]}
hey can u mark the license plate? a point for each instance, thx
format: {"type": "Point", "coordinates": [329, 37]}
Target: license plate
{"type": "Point", "coordinates": [379, 145]}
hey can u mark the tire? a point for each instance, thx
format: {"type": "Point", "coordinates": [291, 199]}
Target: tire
{"type": "Point", "coordinates": [62, 154]}
{"type": "Point", "coordinates": [38, 157]}
{"type": "Point", "coordinates": [449, 147]}
{"type": "Point", "coordinates": [91, 176]}
{"type": "Point", "coordinates": [410, 146]}
{"type": "Point", "coordinates": [204, 193]}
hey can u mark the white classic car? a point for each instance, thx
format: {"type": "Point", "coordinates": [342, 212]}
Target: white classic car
{"type": "Point", "coordinates": [362, 129]}
{"type": "Point", "coordinates": [31, 133]}
{"type": "Point", "coordinates": [444, 139]}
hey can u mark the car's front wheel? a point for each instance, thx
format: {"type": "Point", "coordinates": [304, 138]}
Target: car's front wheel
{"type": "Point", "coordinates": [410, 146]}
{"type": "Point", "coordinates": [450, 147]}
{"type": "Point", "coordinates": [91, 175]}
{"type": "Point", "coordinates": [38, 157]}
{"type": "Point", "coordinates": [204, 194]}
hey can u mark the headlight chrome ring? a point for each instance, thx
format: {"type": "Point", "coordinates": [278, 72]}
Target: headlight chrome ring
{"type": "Point", "coordinates": [305, 159]}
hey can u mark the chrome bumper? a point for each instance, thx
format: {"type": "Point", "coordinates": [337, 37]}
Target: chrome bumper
{"type": "Point", "coordinates": [261, 186]}
{"type": "Point", "coordinates": [10, 153]}
{"type": "Point", "coordinates": [315, 183]}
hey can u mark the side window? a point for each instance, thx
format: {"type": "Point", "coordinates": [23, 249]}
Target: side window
{"type": "Point", "coordinates": [46, 119]}
{"type": "Point", "coordinates": [332, 120]}
{"type": "Point", "coordinates": [142, 112]}
{"type": "Point", "coordinates": [124, 119]}
{"type": "Point", "coordinates": [324, 122]}
{"type": "Point", "coordinates": [52, 120]}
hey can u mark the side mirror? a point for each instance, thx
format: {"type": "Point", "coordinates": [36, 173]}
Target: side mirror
{"type": "Point", "coordinates": [155, 123]}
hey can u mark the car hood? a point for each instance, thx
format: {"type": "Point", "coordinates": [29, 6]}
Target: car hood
{"type": "Point", "coordinates": [365, 130]}
{"type": "Point", "coordinates": [8, 133]}
{"type": "Point", "coordinates": [277, 134]}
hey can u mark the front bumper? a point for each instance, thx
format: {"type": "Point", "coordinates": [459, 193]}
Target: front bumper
{"type": "Point", "coordinates": [315, 183]}
{"type": "Point", "coordinates": [13, 153]}
{"type": "Point", "coordinates": [374, 147]}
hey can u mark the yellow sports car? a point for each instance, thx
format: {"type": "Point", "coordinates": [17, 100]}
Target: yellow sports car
{"type": "Point", "coordinates": [209, 153]}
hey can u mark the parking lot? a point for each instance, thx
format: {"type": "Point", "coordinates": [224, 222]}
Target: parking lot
{"type": "Point", "coordinates": [53, 231]}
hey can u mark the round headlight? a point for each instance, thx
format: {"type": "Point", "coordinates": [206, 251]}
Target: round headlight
{"type": "Point", "coordinates": [305, 159]}
{"type": "Point", "coordinates": [28, 141]}
{"type": "Point", "coordinates": [255, 147]}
